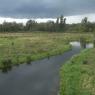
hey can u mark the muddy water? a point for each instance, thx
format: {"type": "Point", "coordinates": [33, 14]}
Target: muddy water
{"type": "Point", "coordinates": [39, 78]}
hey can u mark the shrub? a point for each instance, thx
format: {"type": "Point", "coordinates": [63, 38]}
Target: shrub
{"type": "Point", "coordinates": [85, 62]}
{"type": "Point", "coordinates": [28, 59]}
{"type": "Point", "coordinates": [6, 65]}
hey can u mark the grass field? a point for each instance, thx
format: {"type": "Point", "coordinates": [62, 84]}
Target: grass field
{"type": "Point", "coordinates": [25, 47]}
{"type": "Point", "coordinates": [78, 75]}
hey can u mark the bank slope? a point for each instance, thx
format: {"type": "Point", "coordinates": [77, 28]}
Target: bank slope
{"type": "Point", "coordinates": [78, 75]}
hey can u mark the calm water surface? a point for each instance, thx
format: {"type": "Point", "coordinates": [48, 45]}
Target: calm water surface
{"type": "Point", "coordinates": [39, 78]}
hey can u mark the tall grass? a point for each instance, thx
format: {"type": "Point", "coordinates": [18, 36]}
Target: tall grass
{"type": "Point", "coordinates": [78, 75]}
{"type": "Point", "coordinates": [18, 46]}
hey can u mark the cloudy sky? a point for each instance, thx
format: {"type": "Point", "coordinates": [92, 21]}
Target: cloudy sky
{"type": "Point", "coordinates": [45, 8]}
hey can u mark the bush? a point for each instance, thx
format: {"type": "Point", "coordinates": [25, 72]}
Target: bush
{"type": "Point", "coordinates": [85, 62]}
{"type": "Point", "coordinates": [28, 59]}
{"type": "Point", "coordinates": [6, 65]}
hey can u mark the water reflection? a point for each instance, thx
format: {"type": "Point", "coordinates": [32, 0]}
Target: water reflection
{"type": "Point", "coordinates": [81, 45]}
{"type": "Point", "coordinates": [83, 42]}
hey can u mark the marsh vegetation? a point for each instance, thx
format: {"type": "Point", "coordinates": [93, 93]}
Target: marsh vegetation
{"type": "Point", "coordinates": [27, 47]}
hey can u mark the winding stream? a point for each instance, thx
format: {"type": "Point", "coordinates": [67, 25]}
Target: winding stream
{"type": "Point", "coordinates": [40, 78]}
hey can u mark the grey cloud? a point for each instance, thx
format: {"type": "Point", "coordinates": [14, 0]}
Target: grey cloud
{"type": "Point", "coordinates": [45, 8]}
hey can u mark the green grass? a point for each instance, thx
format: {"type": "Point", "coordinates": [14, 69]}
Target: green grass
{"type": "Point", "coordinates": [78, 75]}
{"type": "Point", "coordinates": [37, 45]}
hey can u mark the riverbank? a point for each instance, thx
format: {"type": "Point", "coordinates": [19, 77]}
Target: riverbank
{"type": "Point", "coordinates": [39, 78]}
{"type": "Point", "coordinates": [78, 74]}
{"type": "Point", "coordinates": [19, 48]}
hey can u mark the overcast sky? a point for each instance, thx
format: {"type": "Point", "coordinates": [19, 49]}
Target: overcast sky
{"type": "Point", "coordinates": [21, 10]}
{"type": "Point", "coordinates": [45, 8]}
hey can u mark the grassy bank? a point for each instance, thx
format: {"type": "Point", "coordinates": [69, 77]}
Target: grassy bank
{"type": "Point", "coordinates": [25, 47]}
{"type": "Point", "coordinates": [78, 75]}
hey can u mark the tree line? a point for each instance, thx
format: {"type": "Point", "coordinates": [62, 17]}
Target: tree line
{"type": "Point", "coordinates": [58, 26]}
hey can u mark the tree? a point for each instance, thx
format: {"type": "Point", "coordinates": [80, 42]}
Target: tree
{"type": "Point", "coordinates": [57, 24]}
{"type": "Point", "coordinates": [84, 25]}
{"type": "Point", "coordinates": [87, 26]}
{"type": "Point", "coordinates": [50, 26]}
{"type": "Point", "coordinates": [62, 23]}
{"type": "Point", "coordinates": [31, 25]}
{"type": "Point", "coordinates": [57, 21]}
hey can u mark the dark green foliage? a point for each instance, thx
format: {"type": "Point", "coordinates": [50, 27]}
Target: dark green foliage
{"type": "Point", "coordinates": [87, 26]}
{"type": "Point", "coordinates": [62, 23]}
{"type": "Point", "coordinates": [85, 62]}
{"type": "Point", "coordinates": [32, 25]}
{"type": "Point", "coordinates": [28, 59]}
{"type": "Point", "coordinates": [11, 27]}
{"type": "Point", "coordinates": [6, 65]}
{"type": "Point", "coordinates": [50, 26]}
{"type": "Point", "coordinates": [84, 25]}
{"type": "Point", "coordinates": [12, 43]}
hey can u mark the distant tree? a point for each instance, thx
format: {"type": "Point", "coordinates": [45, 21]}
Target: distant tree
{"type": "Point", "coordinates": [84, 25]}
{"type": "Point", "coordinates": [85, 20]}
{"type": "Point", "coordinates": [11, 27]}
{"type": "Point", "coordinates": [57, 24]}
{"type": "Point", "coordinates": [64, 20]}
{"type": "Point", "coordinates": [87, 26]}
{"type": "Point", "coordinates": [57, 21]}
{"type": "Point", "coordinates": [50, 26]}
{"type": "Point", "coordinates": [29, 25]}
{"type": "Point", "coordinates": [62, 23]}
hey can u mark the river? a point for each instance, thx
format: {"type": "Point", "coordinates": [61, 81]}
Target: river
{"type": "Point", "coordinates": [39, 78]}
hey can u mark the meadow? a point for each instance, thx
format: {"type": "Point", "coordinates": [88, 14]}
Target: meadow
{"type": "Point", "coordinates": [78, 74]}
{"type": "Point", "coordinates": [18, 48]}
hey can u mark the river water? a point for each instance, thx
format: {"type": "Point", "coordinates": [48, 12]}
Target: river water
{"type": "Point", "coordinates": [39, 78]}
